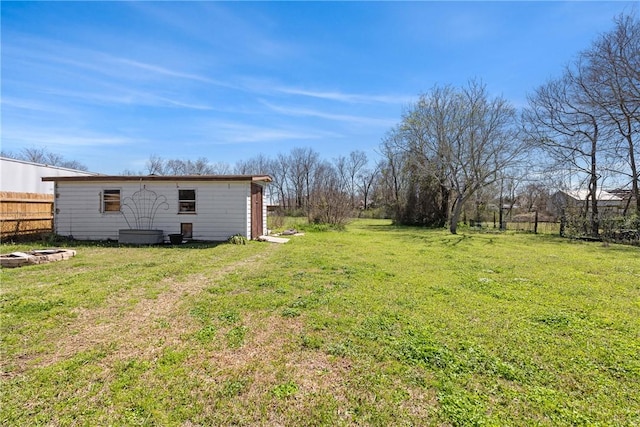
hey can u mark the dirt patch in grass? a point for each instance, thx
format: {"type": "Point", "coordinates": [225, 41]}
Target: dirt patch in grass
{"type": "Point", "coordinates": [269, 359]}
{"type": "Point", "coordinates": [141, 331]}
{"type": "Point", "coordinates": [275, 339]}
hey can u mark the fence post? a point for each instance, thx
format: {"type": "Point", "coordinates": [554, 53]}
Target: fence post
{"type": "Point", "coordinates": [563, 221]}
{"type": "Point", "coordinates": [535, 224]}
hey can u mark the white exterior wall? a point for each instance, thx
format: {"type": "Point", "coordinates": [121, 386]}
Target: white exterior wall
{"type": "Point", "coordinates": [222, 209]}
{"type": "Point", "coordinates": [25, 177]}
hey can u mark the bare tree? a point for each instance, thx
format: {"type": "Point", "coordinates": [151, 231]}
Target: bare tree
{"type": "Point", "coordinates": [567, 127]}
{"type": "Point", "coordinates": [130, 172]}
{"type": "Point", "coordinates": [329, 202]}
{"type": "Point", "coordinates": [175, 167]}
{"type": "Point", "coordinates": [279, 171]}
{"type": "Point", "coordinates": [348, 170]}
{"type": "Point", "coordinates": [356, 163]}
{"type": "Point", "coordinates": [340, 165]}
{"type": "Point", "coordinates": [44, 157]}
{"type": "Point", "coordinates": [220, 168]}
{"type": "Point", "coordinates": [200, 166]}
{"type": "Point", "coordinates": [610, 81]}
{"type": "Point", "coordinates": [367, 178]}
{"type": "Point", "coordinates": [155, 165]}
{"type": "Point", "coordinates": [38, 155]}
{"type": "Point", "coordinates": [257, 165]}
{"type": "Point", "coordinates": [303, 163]}
{"type": "Point", "coordinates": [534, 197]}
{"type": "Point", "coordinates": [462, 138]}
{"type": "Point", "coordinates": [392, 177]}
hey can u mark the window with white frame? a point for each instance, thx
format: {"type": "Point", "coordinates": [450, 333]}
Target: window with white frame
{"type": "Point", "coordinates": [187, 201]}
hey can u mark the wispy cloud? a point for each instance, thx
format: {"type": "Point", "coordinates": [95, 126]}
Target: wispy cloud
{"type": "Point", "coordinates": [346, 97]}
{"type": "Point", "coordinates": [245, 32]}
{"type": "Point", "coordinates": [34, 51]}
{"type": "Point", "coordinates": [57, 137]}
{"type": "Point", "coordinates": [159, 70]}
{"type": "Point", "coordinates": [9, 102]}
{"type": "Point", "coordinates": [184, 104]}
{"type": "Point", "coordinates": [347, 118]}
{"type": "Point", "coordinates": [123, 96]}
{"type": "Point", "coordinates": [233, 133]}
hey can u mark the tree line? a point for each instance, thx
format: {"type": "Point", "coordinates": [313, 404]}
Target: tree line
{"type": "Point", "coordinates": [327, 191]}
{"type": "Point", "coordinates": [44, 157]}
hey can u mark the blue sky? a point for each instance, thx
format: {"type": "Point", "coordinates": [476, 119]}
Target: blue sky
{"type": "Point", "coordinates": [110, 83]}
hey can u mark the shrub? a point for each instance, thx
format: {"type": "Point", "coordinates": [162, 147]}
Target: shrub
{"type": "Point", "coordinates": [237, 239]}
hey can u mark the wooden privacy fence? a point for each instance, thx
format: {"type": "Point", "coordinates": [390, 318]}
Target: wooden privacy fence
{"type": "Point", "coordinates": [25, 214]}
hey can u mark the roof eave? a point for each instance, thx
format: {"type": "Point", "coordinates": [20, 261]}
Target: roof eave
{"type": "Point", "coordinates": [124, 178]}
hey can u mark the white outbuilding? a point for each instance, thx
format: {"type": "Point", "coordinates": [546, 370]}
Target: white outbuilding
{"type": "Point", "coordinates": [19, 176]}
{"type": "Point", "coordinates": [198, 207]}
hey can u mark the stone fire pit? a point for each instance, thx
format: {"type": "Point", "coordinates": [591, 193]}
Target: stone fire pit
{"type": "Point", "coordinates": [42, 256]}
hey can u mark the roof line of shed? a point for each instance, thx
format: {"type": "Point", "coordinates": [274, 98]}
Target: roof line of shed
{"type": "Point", "coordinates": [252, 178]}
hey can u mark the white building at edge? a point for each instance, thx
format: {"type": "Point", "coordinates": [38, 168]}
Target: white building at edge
{"type": "Point", "coordinates": [19, 176]}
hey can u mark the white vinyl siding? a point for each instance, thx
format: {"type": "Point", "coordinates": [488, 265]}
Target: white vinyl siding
{"type": "Point", "coordinates": [223, 209]}
{"type": "Point", "coordinates": [79, 212]}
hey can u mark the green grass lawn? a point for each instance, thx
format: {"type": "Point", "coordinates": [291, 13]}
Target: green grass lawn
{"type": "Point", "coordinates": [376, 325]}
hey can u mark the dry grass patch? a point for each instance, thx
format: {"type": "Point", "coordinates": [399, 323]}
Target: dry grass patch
{"type": "Point", "coordinates": [141, 330]}
{"type": "Point", "coordinates": [266, 380]}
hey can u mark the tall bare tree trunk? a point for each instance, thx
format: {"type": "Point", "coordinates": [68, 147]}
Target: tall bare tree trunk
{"type": "Point", "coordinates": [455, 214]}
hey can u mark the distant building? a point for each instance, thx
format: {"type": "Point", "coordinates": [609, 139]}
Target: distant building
{"type": "Point", "coordinates": [610, 202]}
{"type": "Point", "coordinates": [19, 176]}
